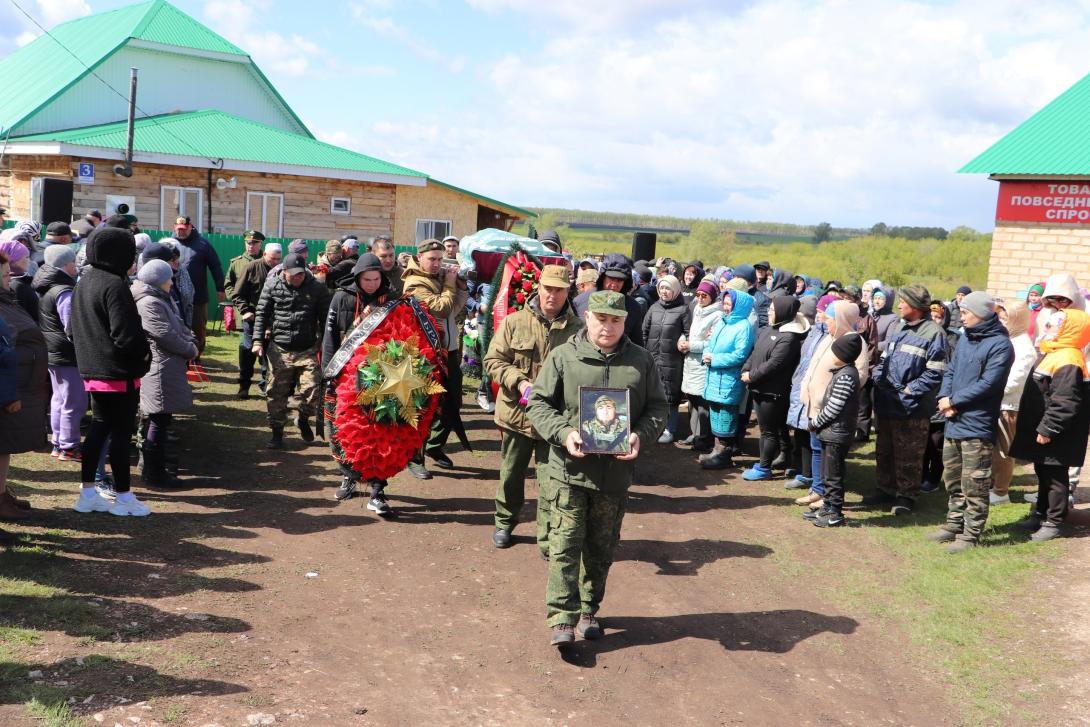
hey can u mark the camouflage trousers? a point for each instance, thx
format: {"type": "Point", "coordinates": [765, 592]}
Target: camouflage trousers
{"type": "Point", "coordinates": [290, 368]}
{"type": "Point", "coordinates": [516, 450]}
{"type": "Point", "coordinates": [584, 528]}
{"type": "Point", "coordinates": [899, 455]}
{"type": "Point", "coordinates": [967, 474]}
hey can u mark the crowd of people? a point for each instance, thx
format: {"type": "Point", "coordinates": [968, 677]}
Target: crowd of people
{"type": "Point", "coordinates": [953, 392]}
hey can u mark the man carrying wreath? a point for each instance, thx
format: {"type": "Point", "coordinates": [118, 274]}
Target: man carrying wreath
{"type": "Point", "coordinates": [588, 492]}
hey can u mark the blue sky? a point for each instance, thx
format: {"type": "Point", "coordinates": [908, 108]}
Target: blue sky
{"type": "Point", "coordinates": [787, 110]}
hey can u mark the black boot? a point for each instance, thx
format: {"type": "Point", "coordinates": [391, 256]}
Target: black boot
{"type": "Point", "coordinates": [305, 431]}
{"type": "Point", "coordinates": [720, 459]}
{"type": "Point", "coordinates": [154, 471]}
{"type": "Point", "coordinates": [277, 439]}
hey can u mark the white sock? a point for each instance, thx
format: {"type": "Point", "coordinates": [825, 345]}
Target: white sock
{"type": "Point", "coordinates": [125, 496]}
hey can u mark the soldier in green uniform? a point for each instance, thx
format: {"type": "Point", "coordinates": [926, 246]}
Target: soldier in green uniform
{"type": "Point", "coordinates": [519, 347]}
{"type": "Point", "coordinates": [605, 430]}
{"type": "Point", "coordinates": [588, 492]}
{"type": "Point", "coordinates": [253, 240]}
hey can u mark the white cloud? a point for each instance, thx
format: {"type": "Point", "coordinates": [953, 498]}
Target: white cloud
{"type": "Point", "coordinates": [783, 109]}
{"type": "Point", "coordinates": [240, 22]}
{"type": "Point", "coordinates": [386, 26]}
{"type": "Point", "coordinates": [25, 37]}
{"type": "Point", "coordinates": [52, 12]}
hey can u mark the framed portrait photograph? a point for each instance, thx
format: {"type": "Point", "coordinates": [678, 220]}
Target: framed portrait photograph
{"type": "Point", "coordinates": [604, 422]}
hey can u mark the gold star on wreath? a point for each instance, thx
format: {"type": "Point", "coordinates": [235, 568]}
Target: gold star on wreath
{"type": "Point", "coordinates": [400, 382]}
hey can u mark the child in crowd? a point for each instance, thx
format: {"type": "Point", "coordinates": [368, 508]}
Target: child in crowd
{"type": "Point", "coordinates": [835, 427]}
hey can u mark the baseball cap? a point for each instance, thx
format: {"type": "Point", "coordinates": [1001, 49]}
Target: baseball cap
{"type": "Point", "coordinates": [294, 264]}
{"type": "Point", "coordinates": [58, 228]}
{"type": "Point", "coordinates": [607, 302]}
{"type": "Point", "coordinates": [182, 221]}
{"type": "Point", "coordinates": [590, 275]}
{"type": "Point", "coordinates": [332, 246]}
{"type": "Point", "coordinates": [555, 276]}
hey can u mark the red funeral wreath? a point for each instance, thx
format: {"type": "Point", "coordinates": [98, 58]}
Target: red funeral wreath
{"type": "Point", "coordinates": [381, 449]}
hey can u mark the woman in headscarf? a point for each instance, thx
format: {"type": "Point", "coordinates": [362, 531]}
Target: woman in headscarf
{"type": "Point", "coordinates": [882, 315]}
{"type": "Point", "coordinates": [666, 321]}
{"type": "Point", "coordinates": [1054, 418]}
{"type": "Point", "coordinates": [726, 350]}
{"type": "Point", "coordinates": [705, 314]}
{"type": "Point", "coordinates": [841, 318]}
{"type": "Point", "coordinates": [1015, 316]}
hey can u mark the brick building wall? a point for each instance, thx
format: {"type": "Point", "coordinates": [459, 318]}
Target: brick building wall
{"type": "Point", "coordinates": [1025, 253]}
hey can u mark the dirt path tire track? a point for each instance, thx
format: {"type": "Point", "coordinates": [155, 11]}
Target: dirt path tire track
{"type": "Point", "coordinates": [421, 620]}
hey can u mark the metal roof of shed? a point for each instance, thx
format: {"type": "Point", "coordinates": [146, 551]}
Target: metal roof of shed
{"type": "Point", "coordinates": [1054, 141]}
{"type": "Point", "coordinates": [41, 71]}
{"type": "Point", "coordinates": [209, 135]}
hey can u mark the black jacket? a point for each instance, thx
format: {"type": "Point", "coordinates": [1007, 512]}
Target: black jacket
{"type": "Point", "coordinates": [105, 325]}
{"type": "Point", "coordinates": [341, 272]}
{"type": "Point", "coordinates": [23, 288]}
{"type": "Point", "coordinates": [663, 325]}
{"type": "Point", "coordinates": [775, 355]}
{"type": "Point", "coordinates": [836, 422]}
{"type": "Point", "coordinates": [1056, 406]}
{"type": "Point", "coordinates": [349, 303]}
{"type": "Point", "coordinates": [293, 318]}
{"type": "Point", "coordinates": [50, 282]}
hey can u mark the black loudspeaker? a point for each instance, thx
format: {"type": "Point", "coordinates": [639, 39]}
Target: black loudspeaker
{"type": "Point", "coordinates": [643, 245]}
{"type": "Point", "coordinates": [56, 200]}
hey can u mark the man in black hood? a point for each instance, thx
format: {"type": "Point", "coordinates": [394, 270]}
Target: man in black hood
{"type": "Point", "coordinates": [616, 274]}
{"type": "Point", "coordinates": [783, 283]}
{"type": "Point", "coordinates": [367, 287]}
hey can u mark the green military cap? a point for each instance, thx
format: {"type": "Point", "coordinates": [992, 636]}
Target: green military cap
{"type": "Point", "coordinates": [609, 302]}
{"type": "Point", "coordinates": [605, 400]}
{"type": "Point", "coordinates": [428, 246]}
{"type": "Point", "coordinates": [253, 235]}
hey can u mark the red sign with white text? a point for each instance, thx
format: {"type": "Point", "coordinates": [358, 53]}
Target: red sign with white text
{"type": "Point", "coordinates": [1057, 201]}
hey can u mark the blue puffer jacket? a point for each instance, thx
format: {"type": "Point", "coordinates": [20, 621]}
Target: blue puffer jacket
{"type": "Point", "coordinates": [730, 345]}
{"type": "Point", "coordinates": [975, 380]}
{"type": "Point", "coordinates": [796, 410]}
{"type": "Point", "coordinates": [907, 378]}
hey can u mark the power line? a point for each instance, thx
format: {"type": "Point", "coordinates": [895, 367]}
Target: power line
{"type": "Point", "coordinates": [105, 83]}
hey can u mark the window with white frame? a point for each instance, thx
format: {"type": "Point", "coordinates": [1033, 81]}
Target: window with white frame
{"type": "Point", "coordinates": [429, 229]}
{"type": "Point", "coordinates": [175, 202]}
{"type": "Point", "coordinates": [265, 213]}
{"type": "Point", "coordinates": [340, 206]}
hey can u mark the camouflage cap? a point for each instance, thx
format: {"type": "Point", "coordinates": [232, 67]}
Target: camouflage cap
{"type": "Point", "coordinates": [605, 400]}
{"type": "Point", "coordinates": [608, 302]}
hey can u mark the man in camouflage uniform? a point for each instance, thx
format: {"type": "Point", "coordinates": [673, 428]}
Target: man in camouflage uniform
{"type": "Point", "coordinates": [605, 430]}
{"type": "Point", "coordinates": [290, 317]}
{"type": "Point", "coordinates": [252, 241]}
{"type": "Point", "coordinates": [970, 398]}
{"type": "Point", "coordinates": [513, 360]}
{"type": "Point", "coordinates": [588, 492]}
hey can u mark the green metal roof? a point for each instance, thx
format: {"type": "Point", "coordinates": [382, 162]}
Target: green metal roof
{"type": "Point", "coordinates": [1055, 140]}
{"type": "Point", "coordinates": [57, 60]}
{"type": "Point", "coordinates": [215, 134]}
{"type": "Point", "coordinates": [481, 197]}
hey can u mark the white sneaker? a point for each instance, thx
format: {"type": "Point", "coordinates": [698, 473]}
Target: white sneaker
{"type": "Point", "coordinates": [1030, 497]}
{"type": "Point", "coordinates": [92, 503]}
{"type": "Point", "coordinates": [484, 403]}
{"type": "Point", "coordinates": [128, 507]}
{"type": "Point", "coordinates": [994, 499]}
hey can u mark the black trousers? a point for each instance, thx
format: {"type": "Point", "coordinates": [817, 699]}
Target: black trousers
{"type": "Point", "coordinates": [932, 453]}
{"type": "Point", "coordinates": [247, 359]}
{"type": "Point", "coordinates": [866, 406]}
{"type": "Point", "coordinates": [113, 414]}
{"type": "Point", "coordinates": [804, 455]}
{"type": "Point", "coordinates": [772, 419]}
{"type": "Point", "coordinates": [1053, 487]}
{"type": "Point", "coordinates": [833, 455]}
